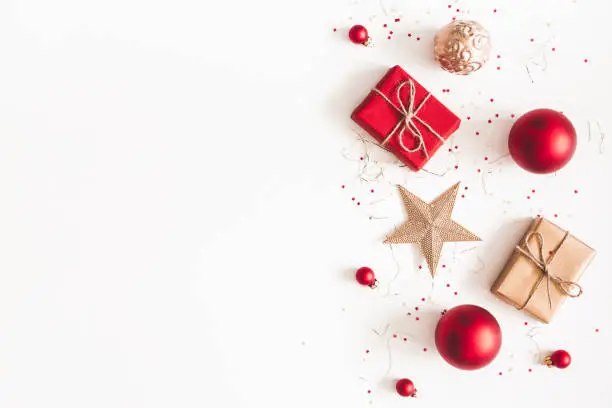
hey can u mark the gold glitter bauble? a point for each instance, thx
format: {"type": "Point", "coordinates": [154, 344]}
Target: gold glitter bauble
{"type": "Point", "coordinates": [462, 47]}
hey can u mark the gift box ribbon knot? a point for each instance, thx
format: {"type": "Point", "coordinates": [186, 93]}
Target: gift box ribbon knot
{"type": "Point", "coordinates": [571, 289]}
{"type": "Point", "coordinates": [408, 114]}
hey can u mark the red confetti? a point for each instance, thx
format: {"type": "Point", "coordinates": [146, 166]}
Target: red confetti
{"type": "Point", "coordinates": [512, 115]}
{"type": "Point", "coordinates": [456, 293]}
{"type": "Point", "coordinates": [477, 133]}
{"type": "Point", "coordinates": [526, 323]}
{"type": "Point", "coordinates": [367, 351]}
{"type": "Point", "coordinates": [586, 60]}
{"type": "Point", "coordinates": [556, 215]}
{"type": "Point", "coordinates": [456, 147]}
{"type": "Point", "coordinates": [425, 349]}
{"type": "Point", "coordinates": [489, 121]}
{"type": "Point", "coordinates": [456, 167]}
{"type": "Point", "coordinates": [449, 6]}
{"type": "Point", "coordinates": [454, 18]}
{"type": "Point", "coordinates": [353, 198]}
{"type": "Point", "coordinates": [491, 99]}
{"type": "Point", "coordinates": [478, 170]}
{"type": "Point", "coordinates": [417, 318]}
{"type": "Point", "coordinates": [361, 158]}
{"type": "Point", "coordinates": [385, 25]}
{"type": "Point", "coordinates": [531, 39]}
{"type": "Point", "coordinates": [469, 117]}
{"type": "Point", "coordinates": [358, 203]}
{"type": "Point", "coordinates": [409, 34]}
{"type": "Point", "coordinates": [530, 370]}
{"type": "Point", "coordinates": [371, 191]}
{"type": "Point", "coordinates": [397, 20]}
{"type": "Point", "coordinates": [529, 197]}
{"type": "Point", "coordinates": [596, 330]}
{"type": "Point", "coordinates": [390, 32]}
{"type": "Point", "coordinates": [422, 299]}
{"type": "Point", "coordinates": [497, 115]}
{"type": "Point", "coordinates": [416, 308]}
{"type": "Point", "coordinates": [420, 267]}
{"type": "Point", "coordinates": [495, 10]}
{"type": "Point", "coordinates": [405, 339]}
{"type": "Point", "coordinates": [575, 191]}
{"type": "Point", "coordinates": [457, 10]}
{"type": "Point", "coordinates": [388, 37]}
{"type": "Point", "coordinates": [500, 373]}
{"type": "Point", "coordinates": [335, 30]}
{"type": "Point", "coordinates": [499, 68]}
{"type": "Point", "coordinates": [395, 336]}
{"type": "Point", "coordinates": [486, 158]}
{"type": "Point", "coordinates": [444, 266]}
{"type": "Point", "coordinates": [533, 191]}
{"type": "Point", "coordinates": [343, 186]}
{"type": "Point", "coordinates": [418, 38]}
{"type": "Point", "coordinates": [553, 48]}
{"type": "Point", "coordinates": [498, 56]}
{"type": "Point", "coordinates": [462, 196]}
{"type": "Point", "coordinates": [369, 391]}
{"type": "Point", "coordinates": [448, 285]}
{"type": "Point", "coordinates": [409, 314]}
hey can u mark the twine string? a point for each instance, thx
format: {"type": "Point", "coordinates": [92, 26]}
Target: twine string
{"type": "Point", "coordinates": [408, 114]}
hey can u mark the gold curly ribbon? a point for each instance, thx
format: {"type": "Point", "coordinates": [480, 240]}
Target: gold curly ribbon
{"type": "Point", "coordinates": [571, 289]}
{"type": "Point", "coordinates": [409, 115]}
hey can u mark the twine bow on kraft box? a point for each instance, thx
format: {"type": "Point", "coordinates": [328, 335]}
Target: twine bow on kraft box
{"type": "Point", "coordinates": [405, 118]}
{"type": "Point", "coordinates": [543, 270]}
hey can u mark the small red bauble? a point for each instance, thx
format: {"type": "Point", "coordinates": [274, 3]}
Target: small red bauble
{"type": "Point", "coordinates": [559, 359]}
{"type": "Point", "coordinates": [468, 337]}
{"type": "Point", "coordinates": [405, 388]}
{"type": "Point", "coordinates": [359, 34]}
{"type": "Point", "coordinates": [542, 141]}
{"type": "Point", "coordinates": [365, 276]}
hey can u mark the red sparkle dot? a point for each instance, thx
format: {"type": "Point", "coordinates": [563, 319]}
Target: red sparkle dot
{"type": "Point", "coordinates": [417, 318]}
{"type": "Point", "coordinates": [478, 170]}
{"type": "Point", "coordinates": [533, 191]}
{"type": "Point", "coordinates": [444, 266]}
{"type": "Point", "coordinates": [367, 351]}
{"type": "Point", "coordinates": [575, 191]}
{"type": "Point", "coordinates": [500, 373]}
{"type": "Point", "coordinates": [486, 158]}
{"type": "Point", "coordinates": [343, 186]}
{"type": "Point", "coordinates": [388, 37]}
{"type": "Point", "coordinates": [358, 203]}
{"type": "Point", "coordinates": [550, 252]}
{"type": "Point", "coordinates": [422, 299]}
{"type": "Point", "coordinates": [397, 20]}
{"type": "Point", "coordinates": [469, 117]}
{"type": "Point", "coordinates": [416, 308]}
{"type": "Point", "coordinates": [538, 215]}
{"type": "Point", "coordinates": [456, 167]}
{"type": "Point", "coordinates": [409, 34]}
{"type": "Point", "coordinates": [390, 32]}
{"type": "Point", "coordinates": [499, 68]}
{"type": "Point", "coordinates": [449, 6]}
{"type": "Point", "coordinates": [586, 60]}
{"type": "Point", "coordinates": [335, 30]}
{"type": "Point", "coordinates": [425, 349]}
{"type": "Point", "coordinates": [497, 115]}
{"type": "Point", "coordinates": [385, 25]}
{"type": "Point", "coordinates": [409, 314]}
{"type": "Point", "coordinates": [418, 38]}
{"type": "Point", "coordinates": [462, 196]}
{"type": "Point", "coordinates": [448, 285]}
{"type": "Point", "coordinates": [531, 39]}
{"type": "Point", "coordinates": [498, 56]}
{"type": "Point", "coordinates": [556, 215]}
{"type": "Point", "coordinates": [495, 10]}
{"type": "Point", "coordinates": [526, 323]}
{"type": "Point", "coordinates": [450, 150]}
{"type": "Point", "coordinates": [528, 197]}
{"type": "Point", "coordinates": [420, 267]}
{"type": "Point", "coordinates": [491, 99]}
{"type": "Point", "coordinates": [553, 48]}
{"type": "Point", "coordinates": [456, 293]}
{"type": "Point", "coordinates": [369, 391]}
{"type": "Point", "coordinates": [454, 18]}
{"type": "Point", "coordinates": [512, 115]}
{"type": "Point", "coordinates": [596, 330]}
{"type": "Point", "coordinates": [361, 158]}
{"type": "Point", "coordinates": [405, 339]}
{"type": "Point", "coordinates": [353, 198]}
{"type": "Point", "coordinates": [477, 133]}
{"type": "Point", "coordinates": [456, 147]}
{"type": "Point", "coordinates": [530, 370]}
{"type": "Point", "coordinates": [489, 121]}
{"type": "Point", "coordinates": [457, 10]}
{"type": "Point", "coordinates": [395, 336]}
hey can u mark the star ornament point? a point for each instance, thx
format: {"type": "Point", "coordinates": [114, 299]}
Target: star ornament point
{"type": "Point", "coordinates": [429, 225]}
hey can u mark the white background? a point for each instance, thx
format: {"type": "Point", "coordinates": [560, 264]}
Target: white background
{"type": "Point", "coordinates": [173, 231]}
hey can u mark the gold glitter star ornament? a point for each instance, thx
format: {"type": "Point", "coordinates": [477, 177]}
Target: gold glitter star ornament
{"type": "Point", "coordinates": [429, 225]}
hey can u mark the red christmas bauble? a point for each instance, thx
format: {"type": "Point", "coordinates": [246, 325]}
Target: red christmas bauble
{"type": "Point", "coordinates": [542, 141]}
{"type": "Point", "coordinates": [365, 276]}
{"type": "Point", "coordinates": [358, 34]}
{"type": "Point", "coordinates": [468, 337]}
{"type": "Point", "coordinates": [405, 388]}
{"type": "Point", "coordinates": [559, 359]}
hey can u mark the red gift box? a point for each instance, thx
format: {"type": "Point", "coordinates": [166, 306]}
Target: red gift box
{"type": "Point", "coordinates": [405, 118]}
